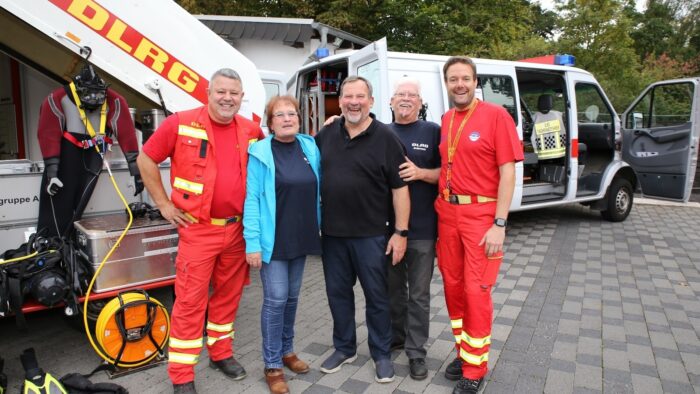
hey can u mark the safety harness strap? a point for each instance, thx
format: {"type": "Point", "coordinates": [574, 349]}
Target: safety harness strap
{"type": "Point", "coordinates": [104, 142]}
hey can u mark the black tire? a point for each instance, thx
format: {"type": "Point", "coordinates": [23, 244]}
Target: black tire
{"type": "Point", "coordinates": [619, 201]}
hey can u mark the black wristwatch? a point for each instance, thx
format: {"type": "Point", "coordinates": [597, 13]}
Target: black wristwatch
{"type": "Point", "coordinates": [403, 233]}
{"type": "Point", "coordinates": [500, 222]}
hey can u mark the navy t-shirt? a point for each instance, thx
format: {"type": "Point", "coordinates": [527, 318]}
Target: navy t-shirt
{"type": "Point", "coordinates": [296, 228]}
{"type": "Point", "coordinates": [421, 140]}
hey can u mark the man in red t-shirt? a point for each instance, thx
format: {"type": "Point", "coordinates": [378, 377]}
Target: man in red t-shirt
{"type": "Point", "coordinates": [208, 147]}
{"type": "Point", "coordinates": [478, 149]}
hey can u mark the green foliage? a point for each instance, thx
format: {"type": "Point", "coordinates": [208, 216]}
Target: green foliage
{"type": "Point", "coordinates": [597, 33]}
{"type": "Point", "coordinates": [625, 49]}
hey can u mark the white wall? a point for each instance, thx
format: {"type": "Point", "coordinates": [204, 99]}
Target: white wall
{"type": "Point", "coordinates": [274, 55]}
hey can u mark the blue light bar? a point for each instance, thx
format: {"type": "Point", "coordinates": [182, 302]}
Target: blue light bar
{"type": "Point", "coordinates": [564, 60]}
{"type": "Point", "coordinates": [321, 53]}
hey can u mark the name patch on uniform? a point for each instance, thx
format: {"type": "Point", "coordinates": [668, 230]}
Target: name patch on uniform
{"type": "Point", "coordinates": [474, 136]}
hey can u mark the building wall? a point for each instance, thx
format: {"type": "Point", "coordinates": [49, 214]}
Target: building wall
{"type": "Point", "coordinates": [275, 56]}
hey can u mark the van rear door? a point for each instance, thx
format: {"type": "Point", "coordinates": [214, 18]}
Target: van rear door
{"type": "Point", "coordinates": [660, 138]}
{"type": "Point", "coordinates": [371, 62]}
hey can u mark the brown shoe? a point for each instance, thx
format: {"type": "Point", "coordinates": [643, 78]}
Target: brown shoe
{"type": "Point", "coordinates": [275, 381]}
{"type": "Point", "coordinates": [292, 362]}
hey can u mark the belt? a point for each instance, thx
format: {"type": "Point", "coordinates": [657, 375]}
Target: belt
{"type": "Point", "coordinates": [228, 220]}
{"type": "Point", "coordinates": [215, 221]}
{"type": "Point", "coordinates": [461, 199]}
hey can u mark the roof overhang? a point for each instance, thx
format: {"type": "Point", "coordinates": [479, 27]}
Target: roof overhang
{"type": "Point", "coordinates": [294, 32]}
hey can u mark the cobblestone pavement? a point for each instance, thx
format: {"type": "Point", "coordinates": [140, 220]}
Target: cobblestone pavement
{"type": "Point", "coordinates": [582, 305]}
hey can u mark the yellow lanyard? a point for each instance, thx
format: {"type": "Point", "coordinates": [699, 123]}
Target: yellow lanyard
{"type": "Point", "coordinates": [452, 145]}
{"type": "Point", "coordinates": [85, 120]}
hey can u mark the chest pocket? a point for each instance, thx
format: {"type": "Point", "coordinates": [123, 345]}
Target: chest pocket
{"type": "Point", "coordinates": [194, 144]}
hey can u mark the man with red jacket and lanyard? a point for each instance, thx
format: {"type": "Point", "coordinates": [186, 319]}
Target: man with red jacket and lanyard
{"type": "Point", "coordinates": [479, 147]}
{"type": "Point", "coordinates": [208, 147]}
{"type": "Point", "coordinates": [73, 119]}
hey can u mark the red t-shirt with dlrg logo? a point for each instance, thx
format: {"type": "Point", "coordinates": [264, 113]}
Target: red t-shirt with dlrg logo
{"type": "Point", "coordinates": [489, 139]}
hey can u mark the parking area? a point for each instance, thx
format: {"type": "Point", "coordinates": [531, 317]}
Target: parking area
{"type": "Point", "coordinates": [582, 305]}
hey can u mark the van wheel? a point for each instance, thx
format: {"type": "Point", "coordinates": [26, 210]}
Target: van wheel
{"type": "Point", "coordinates": [619, 201]}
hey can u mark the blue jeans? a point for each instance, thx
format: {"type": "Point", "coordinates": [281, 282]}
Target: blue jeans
{"type": "Point", "coordinates": [281, 281]}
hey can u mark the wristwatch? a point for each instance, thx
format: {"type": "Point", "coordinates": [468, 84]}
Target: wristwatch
{"type": "Point", "coordinates": [403, 233]}
{"type": "Point", "coordinates": [500, 222]}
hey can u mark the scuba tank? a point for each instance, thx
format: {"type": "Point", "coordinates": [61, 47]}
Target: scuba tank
{"type": "Point", "coordinates": [36, 381]}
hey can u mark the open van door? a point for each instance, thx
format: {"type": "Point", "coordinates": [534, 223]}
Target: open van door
{"type": "Point", "coordinates": [660, 138]}
{"type": "Point", "coordinates": [370, 62]}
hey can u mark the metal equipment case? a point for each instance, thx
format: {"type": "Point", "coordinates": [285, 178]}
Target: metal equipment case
{"type": "Point", "coordinates": [146, 254]}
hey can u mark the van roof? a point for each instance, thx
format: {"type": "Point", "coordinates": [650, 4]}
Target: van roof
{"type": "Point", "coordinates": [443, 58]}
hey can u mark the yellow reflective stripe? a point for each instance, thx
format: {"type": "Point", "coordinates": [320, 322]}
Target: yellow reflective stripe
{"type": "Point", "coordinates": [252, 141]}
{"type": "Point", "coordinates": [192, 132]}
{"type": "Point", "coordinates": [183, 358]}
{"type": "Point", "coordinates": [476, 343]}
{"type": "Point", "coordinates": [185, 343]}
{"type": "Point", "coordinates": [219, 327]}
{"type": "Point", "coordinates": [458, 339]}
{"type": "Point", "coordinates": [457, 323]}
{"type": "Point", "coordinates": [554, 152]}
{"type": "Point", "coordinates": [472, 358]}
{"type": "Point", "coordinates": [191, 217]}
{"type": "Point", "coordinates": [212, 340]}
{"type": "Point", "coordinates": [184, 184]}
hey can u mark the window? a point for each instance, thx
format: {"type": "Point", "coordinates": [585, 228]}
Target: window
{"type": "Point", "coordinates": [664, 105]}
{"type": "Point", "coordinates": [592, 108]}
{"type": "Point", "coordinates": [499, 90]}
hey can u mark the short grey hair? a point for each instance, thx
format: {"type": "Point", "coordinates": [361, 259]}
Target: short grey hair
{"type": "Point", "coordinates": [355, 78]}
{"type": "Point", "coordinates": [407, 80]}
{"type": "Point", "coordinates": [226, 73]}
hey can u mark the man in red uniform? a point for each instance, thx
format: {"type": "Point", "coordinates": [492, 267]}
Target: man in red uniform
{"type": "Point", "coordinates": [479, 147]}
{"type": "Point", "coordinates": [73, 119]}
{"type": "Point", "coordinates": [208, 147]}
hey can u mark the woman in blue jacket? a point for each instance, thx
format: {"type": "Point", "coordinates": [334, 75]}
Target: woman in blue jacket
{"type": "Point", "coordinates": [281, 224]}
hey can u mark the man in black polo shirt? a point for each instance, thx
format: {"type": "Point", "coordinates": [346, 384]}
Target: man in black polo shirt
{"type": "Point", "coordinates": [360, 159]}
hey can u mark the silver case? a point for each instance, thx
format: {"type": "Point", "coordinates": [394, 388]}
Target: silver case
{"type": "Point", "coordinates": [145, 255]}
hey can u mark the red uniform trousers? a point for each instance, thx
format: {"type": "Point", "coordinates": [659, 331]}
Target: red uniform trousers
{"type": "Point", "coordinates": [206, 254]}
{"type": "Point", "coordinates": [467, 277]}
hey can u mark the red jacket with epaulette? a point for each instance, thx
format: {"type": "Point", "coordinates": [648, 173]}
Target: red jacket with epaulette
{"type": "Point", "coordinates": [193, 167]}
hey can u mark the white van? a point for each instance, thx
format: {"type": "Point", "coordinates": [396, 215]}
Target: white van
{"type": "Point", "coordinates": [593, 166]}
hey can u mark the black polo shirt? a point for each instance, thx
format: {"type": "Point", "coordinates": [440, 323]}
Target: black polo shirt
{"type": "Point", "coordinates": [358, 176]}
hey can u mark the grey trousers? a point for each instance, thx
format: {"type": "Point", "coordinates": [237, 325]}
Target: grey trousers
{"type": "Point", "coordinates": [409, 294]}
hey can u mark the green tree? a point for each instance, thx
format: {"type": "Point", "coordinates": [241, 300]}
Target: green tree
{"type": "Point", "coordinates": [597, 33]}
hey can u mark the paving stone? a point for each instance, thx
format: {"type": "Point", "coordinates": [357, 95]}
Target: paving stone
{"type": "Point", "coordinates": [581, 305]}
{"type": "Point", "coordinates": [559, 382]}
{"type": "Point", "coordinates": [672, 371]}
{"type": "Point", "coordinates": [589, 377]}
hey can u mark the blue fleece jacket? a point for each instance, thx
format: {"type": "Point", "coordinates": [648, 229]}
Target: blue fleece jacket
{"type": "Point", "coordinates": [259, 210]}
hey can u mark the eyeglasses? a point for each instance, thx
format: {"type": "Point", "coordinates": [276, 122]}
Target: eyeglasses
{"type": "Point", "coordinates": [281, 115]}
{"type": "Point", "coordinates": [406, 95]}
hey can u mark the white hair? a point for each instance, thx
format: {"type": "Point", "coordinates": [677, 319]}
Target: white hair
{"type": "Point", "coordinates": [407, 80]}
